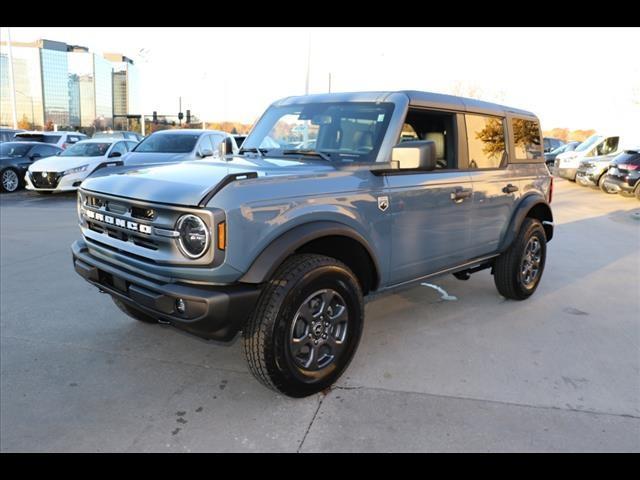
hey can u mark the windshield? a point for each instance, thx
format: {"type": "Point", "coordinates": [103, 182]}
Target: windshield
{"type": "Point", "coordinates": [168, 143]}
{"type": "Point", "coordinates": [13, 149]}
{"type": "Point", "coordinates": [349, 131]}
{"type": "Point", "coordinates": [588, 143]}
{"type": "Point", "coordinates": [86, 150]}
{"type": "Point", "coordinates": [560, 149]}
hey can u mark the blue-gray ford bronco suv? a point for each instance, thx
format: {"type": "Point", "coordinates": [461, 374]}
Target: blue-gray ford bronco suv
{"type": "Point", "coordinates": [332, 199]}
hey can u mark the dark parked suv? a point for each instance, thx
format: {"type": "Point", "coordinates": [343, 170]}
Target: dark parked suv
{"type": "Point", "coordinates": [284, 241]}
{"type": "Point", "coordinates": [624, 174]}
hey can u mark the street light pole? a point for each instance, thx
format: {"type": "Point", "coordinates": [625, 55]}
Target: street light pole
{"type": "Point", "coordinates": [12, 87]}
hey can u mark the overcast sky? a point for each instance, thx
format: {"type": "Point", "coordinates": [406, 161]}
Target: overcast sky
{"type": "Point", "coordinates": [570, 77]}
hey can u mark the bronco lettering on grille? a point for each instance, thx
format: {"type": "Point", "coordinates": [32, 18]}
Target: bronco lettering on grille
{"type": "Point", "coordinates": [119, 222]}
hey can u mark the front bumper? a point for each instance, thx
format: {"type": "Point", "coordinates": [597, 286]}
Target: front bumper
{"type": "Point", "coordinates": [568, 173]}
{"type": "Point", "coordinates": [618, 184]}
{"type": "Point", "coordinates": [55, 183]}
{"type": "Point", "coordinates": [212, 312]}
{"type": "Point", "coordinates": [588, 177]}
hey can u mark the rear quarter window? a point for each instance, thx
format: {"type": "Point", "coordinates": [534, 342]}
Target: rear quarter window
{"type": "Point", "coordinates": [526, 140]}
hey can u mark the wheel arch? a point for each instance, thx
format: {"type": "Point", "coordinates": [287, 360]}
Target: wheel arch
{"type": "Point", "coordinates": [531, 206]}
{"type": "Point", "coordinates": [328, 238]}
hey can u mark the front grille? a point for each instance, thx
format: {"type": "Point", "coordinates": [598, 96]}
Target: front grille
{"type": "Point", "coordinates": [45, 179]}
{"type": "Point", "coordinates": [141, 229]}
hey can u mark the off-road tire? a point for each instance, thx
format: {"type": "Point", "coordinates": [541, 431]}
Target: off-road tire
{"type": "Point", "coordinates": [133, 312]}
{"type": "Point", "coordinates": [507, 269]}
{"type": "Point", "coordinates": [266, 336]}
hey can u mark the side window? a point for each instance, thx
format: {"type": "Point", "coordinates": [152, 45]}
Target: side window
{"type": "Point", "coordinates": [119, 148]}
{"type": "Point", "coordinates": [205, 143]}
{"type": "Point", "coordinates": [130, 145]}
{"type": "Point", "coordinates": [49, 151]}
{"type": "Point", "coordinates": [215, 141]}
{"type": "Point", "coordinates": [39, 151]}
{"type": "Point", "coordinates": [526, 139]}
{"type": "Point", "coordinates": [437, 127]}
{"type": "Point", "coordinates": [485, 137]}
{"type": "Point", "coordinates": [610, 145]}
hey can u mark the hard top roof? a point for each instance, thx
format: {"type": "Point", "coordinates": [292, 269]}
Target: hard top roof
{"type": "Point", "coordinates": [416, 98]}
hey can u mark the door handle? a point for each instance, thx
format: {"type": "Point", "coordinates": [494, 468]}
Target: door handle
{"type": "Point", "coordinates": [459, 194]}
{"type": "Point", "coordinates": [510, 189]}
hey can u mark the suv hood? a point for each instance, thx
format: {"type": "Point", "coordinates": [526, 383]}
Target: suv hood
{"type": "Point", "coordinates": [187, 183]}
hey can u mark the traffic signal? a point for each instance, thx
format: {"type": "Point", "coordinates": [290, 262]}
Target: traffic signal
{"type": "Point", "coordinates": [188, 116]}
{"type": "Point", "coordinates": [155, 117]}
{"type": "Point", "coordinates": [180, 116]}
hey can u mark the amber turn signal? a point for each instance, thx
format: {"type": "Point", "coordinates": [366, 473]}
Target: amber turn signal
{"type": "Point", "coordinates": [222, 235]}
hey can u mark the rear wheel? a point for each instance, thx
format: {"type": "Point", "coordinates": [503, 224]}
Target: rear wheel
{"type": "Point", "coordinates": [518, 270]}
{"type": "Point", "coordinates": [134, 312]}
{"type": "Point", "coordinates": [9, 180]}
{"type": "Point", "coordinates": [306, 326]}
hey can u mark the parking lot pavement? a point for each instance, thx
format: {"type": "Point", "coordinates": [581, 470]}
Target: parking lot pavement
{"type": "Point", "coordinates": [558, 372]}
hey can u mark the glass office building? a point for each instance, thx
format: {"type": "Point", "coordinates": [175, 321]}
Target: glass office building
{"type": "Point", "coordinates": [55, 82]}
{"type": "Point", "coordinates": [65, 85]}
{"type": "Point", "coordinates": [125, 88]}
{"type": "Point", "coordinates": [27, 85]}
{"type": "Point", "coordinates": [103, 71]}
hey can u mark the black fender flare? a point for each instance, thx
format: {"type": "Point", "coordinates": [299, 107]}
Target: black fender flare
{"type": "Point", "coordinates": [522, 210]}
{"type": "Point", "coordinates": [266, 263]}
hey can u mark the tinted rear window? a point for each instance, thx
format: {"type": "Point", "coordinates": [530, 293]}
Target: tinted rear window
{"type": "Point", "coordinates": [31, 137]}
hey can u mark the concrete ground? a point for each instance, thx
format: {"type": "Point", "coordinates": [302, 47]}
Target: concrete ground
{"type": "Point", "coordinates": [558, 372]}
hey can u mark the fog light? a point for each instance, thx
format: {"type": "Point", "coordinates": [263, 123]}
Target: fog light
{"type": "Point", "coordinates": [181, 306]}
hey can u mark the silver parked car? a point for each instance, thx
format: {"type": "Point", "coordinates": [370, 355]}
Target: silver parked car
{"type": "Point", "coordinates": [169, 146]}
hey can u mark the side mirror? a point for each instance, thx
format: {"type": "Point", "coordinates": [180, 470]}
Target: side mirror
{"type": "Point", "coordinates": [206, 152]}
{"type": "Point", "coordinates": [222, 149]}
{"type": "Point", "coordinates": [35, 155]}
{"type": "Point", "coordinates": [415, 155]}
{"type": "Point", "coordinates": [115, 154]}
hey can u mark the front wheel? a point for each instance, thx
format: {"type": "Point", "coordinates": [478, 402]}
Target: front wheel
{"type": "Point", "coordinates": [9, 180]}
{"type": "Point", "coordinates": [518, 270]}
{"type": "Point", "coordinates": [306, 326]}
{"type": "Point", "coordinates": [602, 185]}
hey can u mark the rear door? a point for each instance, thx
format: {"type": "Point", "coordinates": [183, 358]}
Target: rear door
{"type": "Point", "coordinates": [495, 186]}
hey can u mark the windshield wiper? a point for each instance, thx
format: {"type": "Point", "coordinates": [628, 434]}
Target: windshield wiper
{"type": "Point", "coordinates": [259, 151]}
{"type": "Point", "coordinates": [309, 152]}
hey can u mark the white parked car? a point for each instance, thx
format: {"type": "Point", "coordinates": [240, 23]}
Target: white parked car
{"type": "Point", "coordinates": [65, 172]}
{"type": "Point", "coordinates": [566, 164]}
{"type": "Point", "coordinates": [60, 139]}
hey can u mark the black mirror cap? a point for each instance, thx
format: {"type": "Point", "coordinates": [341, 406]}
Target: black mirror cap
{"type": "Point", "coordinates": [415, 155]}
{"type": "Point", "coordinates": [115, 154]}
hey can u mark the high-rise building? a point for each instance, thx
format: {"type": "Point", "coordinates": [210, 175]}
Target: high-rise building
{"type": "Point", "coordinates": [65, 85]}
{"type": "Point", "coordinates": [125, 86]}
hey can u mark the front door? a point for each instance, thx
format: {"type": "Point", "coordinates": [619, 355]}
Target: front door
{"type": "Point", "coordinates": [430, 211]}
{"type": "Point", "coordinates": [431, 214]}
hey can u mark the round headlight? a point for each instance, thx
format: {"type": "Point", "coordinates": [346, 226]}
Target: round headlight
{"type": "Point", "coordinates": [194, 236]}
